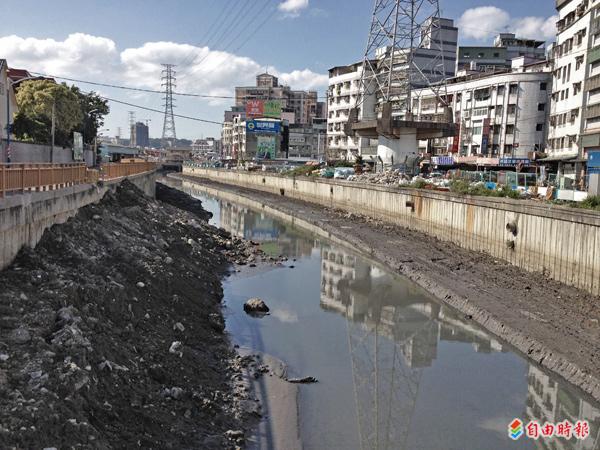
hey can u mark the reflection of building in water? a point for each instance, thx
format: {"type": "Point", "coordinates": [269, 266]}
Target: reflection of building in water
{"type": "Point", "coordinates": [393, 333]}
{"type": "Point", "coordinates": [371, 297]}
{"type": "Point", "coordinates": [549, 401]}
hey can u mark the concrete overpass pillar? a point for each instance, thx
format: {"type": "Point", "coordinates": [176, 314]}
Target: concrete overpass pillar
{"type": "Point", "coordinates": [395, 150]}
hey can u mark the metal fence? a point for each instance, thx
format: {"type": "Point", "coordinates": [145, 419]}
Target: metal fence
{"type": "Point", "coordinates": [119, 170]}
{"type": "Point", "coordinates": [16, 178]}
{"type": "Point", "coordinates": [27, 177]}
{"type": "Point", "coordinates": [503, 178]}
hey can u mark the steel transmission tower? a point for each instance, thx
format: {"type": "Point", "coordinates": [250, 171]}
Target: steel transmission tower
{"type": "Point", "coordinates": [404, 52]}
{"type": "Point", "coordinates": [168, 82]}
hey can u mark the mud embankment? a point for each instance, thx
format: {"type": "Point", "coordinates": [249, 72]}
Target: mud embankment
{"type": "Point", "coordinates": [112, 334]}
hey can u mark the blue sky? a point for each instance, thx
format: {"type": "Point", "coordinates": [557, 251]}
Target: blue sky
{"type": "Point", "coordinates": [123, 42]}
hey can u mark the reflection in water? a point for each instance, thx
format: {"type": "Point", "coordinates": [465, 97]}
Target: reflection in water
{"type": "Point", "coordinates": [392, 339]}
{"type": "Point", "coordinates": [417, 367]}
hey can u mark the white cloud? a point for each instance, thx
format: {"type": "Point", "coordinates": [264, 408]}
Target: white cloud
{"type": "Point", "coordinates": [536, 27]}
{"type": "Point", "coordinates": [78, 54]}
{"type": "Point", "coordinates": [292, 8]}
{"type": "Point", "coordinates": [200, 69]}
{"type": "Point", "coordinates": [304, 79]}
{"type": "Point", "coordinates": [484, 22]}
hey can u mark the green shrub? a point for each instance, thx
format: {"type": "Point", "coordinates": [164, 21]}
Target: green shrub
{"type": "Point", "coordinates": [592, 202]}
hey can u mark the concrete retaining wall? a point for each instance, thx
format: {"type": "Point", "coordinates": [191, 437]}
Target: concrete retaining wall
{"type": "Point", "coordinates": [25, 217]}
{"type": "Point", "coordinates": [562, 242]}
{"type": "Point", "coordinates": [26, 152]}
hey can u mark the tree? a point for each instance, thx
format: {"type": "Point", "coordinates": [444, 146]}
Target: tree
{"type": "Point", "coordinates": [93, 109]}
{"type": "Point", "coordinates": [36, 99]}
{"type": "Point", "coordinates": [74, 111]}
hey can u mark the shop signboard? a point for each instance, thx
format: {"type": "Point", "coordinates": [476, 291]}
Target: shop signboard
{"type": "Point", "coordinates": [593, 158]}
{"type": "Point", "coordinates": [486, 136]}
{"type": "Point", "coordinates": [456, 138]}
{"type": "Point", "coordinates": [77, 146]}
{"type": "Point", "coordinates": [262, 126]}
{"type": "Point", "coordinates": [513, 162]}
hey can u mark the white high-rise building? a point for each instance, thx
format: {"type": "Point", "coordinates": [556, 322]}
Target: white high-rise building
{"type": "Point", "coordinates": [343, 94]}
{"type": "Point", "coordinates": [499, 115]}
{"type": "Point", "coordinates": [575, 111]}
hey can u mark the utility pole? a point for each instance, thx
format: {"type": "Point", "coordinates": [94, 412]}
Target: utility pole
{"type": "Point", "coordinates": [131, 127]}
{"type": "Point", "coordinates": [53, 129]}
{"type": "Point", "coordinates": [168, 82]}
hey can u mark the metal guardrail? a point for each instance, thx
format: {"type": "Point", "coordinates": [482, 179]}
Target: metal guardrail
{"type": "Point", "coordinates": [17, 178]}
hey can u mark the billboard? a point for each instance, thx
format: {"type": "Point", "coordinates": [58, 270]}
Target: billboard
{"type": "Point", "coordinates": [272, 109]}
{"type": "Point", "coordinates": [266, 147]}
{"type": "Point", "coordinates": [254, 108]}
{"type": "Point", "coordinates": [262, 126]}
{"type": "Point", "coordinates": [77, 146]}
{"type": "Point", "coordinates": [257, 109]}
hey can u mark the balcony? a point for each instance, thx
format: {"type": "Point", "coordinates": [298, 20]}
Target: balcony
{"type": "Point", "coordinates": [593, 83]}
{"type": "Point", "coordinates": [592, 111]}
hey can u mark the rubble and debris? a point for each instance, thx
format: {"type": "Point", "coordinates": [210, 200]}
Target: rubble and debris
{"type": "Point", "coordinates": [256, 305]}
{"type": "Point", "coordinates": [304, 380]}
{"type": "Point", "coordinates": [86, 353]}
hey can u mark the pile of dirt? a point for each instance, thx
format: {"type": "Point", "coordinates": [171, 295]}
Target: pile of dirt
{"type": "Point", "coordinates": [112, 334]}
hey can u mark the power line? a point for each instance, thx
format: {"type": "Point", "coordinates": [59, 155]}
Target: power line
{"type": "Point", "coordinates": [157, 110]}
{"type": "Point", "coordinates": [149, 91]}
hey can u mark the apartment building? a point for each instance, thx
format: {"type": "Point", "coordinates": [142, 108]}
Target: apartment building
{"type": "Point", "coordinates": [575, 110]}
{"type": "Point", "coordinates": [304, 104]}
{"type": "Point", "coordinates": [343, 94]}
{"type": "Point", "coordinates": [227, 140]}
{"type": "Point", "coordinates": [501, 114]}
{"type": "Point", "coordinates": [506, 47]}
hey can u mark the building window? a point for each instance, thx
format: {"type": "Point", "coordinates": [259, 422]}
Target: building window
{"type": "Point", "coordinates": [496, 55]}
{"type": "Point", "coordinates": [512, 110]}
{"type": "Point", "coordinates": [541, 106]}
{"type": "Point", "coordinates": [508, 149]}
{"type": "Point", "coordinates": [500, 90]}
{"type": "Point", "coordinates": [539, 127]}
{"type": "Point", "coordinates": [510, 129]}
{"type": "Point", "coordinates": [576, 88]}
{"type": "Point", "coordinates": [543, 86]}
{"type": "Point", "coordinates": [513, 89]}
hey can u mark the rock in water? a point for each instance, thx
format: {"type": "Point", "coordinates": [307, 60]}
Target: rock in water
{"type": "Point", "coordinates": [256, 305]}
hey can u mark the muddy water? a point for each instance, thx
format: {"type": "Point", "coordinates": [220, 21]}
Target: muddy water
{"type": "Point", "coordinates": [396, 369]}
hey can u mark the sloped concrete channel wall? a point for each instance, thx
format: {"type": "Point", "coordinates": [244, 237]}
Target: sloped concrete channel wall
{"type": "Point", "coordinates": [562, 242]}
{"type": "Point", "coordinates": [25, 217]}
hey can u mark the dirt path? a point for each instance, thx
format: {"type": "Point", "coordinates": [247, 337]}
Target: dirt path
{"type": "Point", "coordinates": [554, 325]}
{"type": "Point", "coordinates": [112, 334]}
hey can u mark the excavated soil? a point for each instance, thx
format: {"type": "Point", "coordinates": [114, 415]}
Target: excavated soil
{"type": "Point", "coordinates": [112, 334]}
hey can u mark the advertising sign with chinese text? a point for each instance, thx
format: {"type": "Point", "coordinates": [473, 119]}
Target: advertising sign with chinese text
{"type": "Point", "coordinates": [262, 126]}
{"type": "Point", "coordinates": [254, 108]}
{"type": "Point", "coordinates": [266, 146]}
{"type": "Point", "coordinates": [272, 109]}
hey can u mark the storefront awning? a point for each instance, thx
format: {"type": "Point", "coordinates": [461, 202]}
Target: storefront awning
{"type": "Point", "coordinates": [557, 158]}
